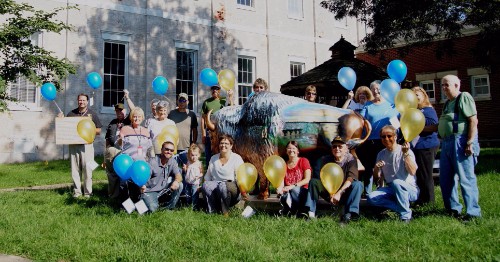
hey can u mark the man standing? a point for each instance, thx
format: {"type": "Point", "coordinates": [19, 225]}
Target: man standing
{"type": "Point", "coordinates": [186, 123]}
{"type": "Point", "coordinates": [165, 184]}
{"type": "Point", "coordinates": [459, 149]}
{"type": "Point", "coordinates": [349, 193]}
{"type": "Point", "coordinates": [113, 148]}
{"type": "Point", "coordinates": [83, 155]}
{"type": "Point", "coordinates": [214, 103]}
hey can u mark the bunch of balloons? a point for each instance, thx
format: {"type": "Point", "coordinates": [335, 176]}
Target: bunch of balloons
{"type": "Point", "coordinates": [246, 175]}
{"type": "Point", "coordinates": [389, 88]}
{"type": "Point", "coordinates": [347, 78]}
{"type": "Point", "coordinates": [412, 119]}
{"type": "Point", "coordinates": [160, 85]}
{"type": "Point", "coordinates": [126, 168]}
{"type": "Point", "coordinates": [275, 170]}
{"type": "Point", "coordinates": [226, 78]}
{"type": "Point", "coordinates": [331, 176]}
{"type": "Point", "coordinates": [94, 80]}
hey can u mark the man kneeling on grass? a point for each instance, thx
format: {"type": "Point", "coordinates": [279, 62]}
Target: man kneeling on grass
{"type": "Point", "coordinates": [396, 165]}
{"type": "Point", "coordinates": [165, 184]}
{"type": "Point", "coordinates": [349, 193]}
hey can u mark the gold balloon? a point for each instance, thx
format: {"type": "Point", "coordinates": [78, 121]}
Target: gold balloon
{"type": "Point", "coordinates": [275, 170]}
{"type": "Point", "coordinates": [246, 175]}
{"type": "Point", "coordinates": [405, 99]}
{"type": "Point", "coordinates": [332, 177]}
{"type": "Point", "coordinates": [226, 79]}
{"type": "Point", "coordinates": [162, 138]}
{"type": "Point", "coordinates": [171, 130]}
{"type": "Point", "coordinates": [412, 123]}
{"type": "Point", "coordinates": [86, 130]}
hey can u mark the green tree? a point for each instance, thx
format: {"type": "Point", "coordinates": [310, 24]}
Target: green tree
{"type": "Point", "coordinates": [418, 22]}
{"type": "Point", "coordinates": [18, 56]}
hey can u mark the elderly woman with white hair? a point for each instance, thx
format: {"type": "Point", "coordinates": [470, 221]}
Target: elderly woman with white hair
{"type": "Point", "coordinates": [156, 125]}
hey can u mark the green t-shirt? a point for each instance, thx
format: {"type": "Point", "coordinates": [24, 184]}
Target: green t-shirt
{"type": "Point", "coordinates": [466, 109]}
{"type": "Point", "coordinates": [213, 104]}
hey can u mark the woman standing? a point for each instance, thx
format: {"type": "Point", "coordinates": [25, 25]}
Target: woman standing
{"type": "Point", "coordinates": [426, 147]}
{"type": "Point", "coordinates": [363, 95]}
{"type": "Point", "coordinates": [220, 189]}
{"type": "Point", "coordinates": [296, 182]}
{"type": "Point", "coordinates": [136, 141]}
{"type": "Point", "coordinates": [157, 124]}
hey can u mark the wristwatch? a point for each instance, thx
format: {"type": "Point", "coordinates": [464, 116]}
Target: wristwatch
{"type": "Point", "coordinates": [470, 142]}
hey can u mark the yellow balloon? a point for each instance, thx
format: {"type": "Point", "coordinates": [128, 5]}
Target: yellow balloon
{"type": "Point", "coordinates": [246, 175]}
{"type": "Point", "coordinates": [332, 177]}
{"type": "Point", "coordinates": [275, 170]}
{"type": "Point", "coordinates": [226, 79]}
{"type": "Point", "coordinates": [412, 123]}
{"type": "Point", "coordinates": [162, 138]}
{"type": "Point", "coordinates": [171, 130]}
{"type": "Point", "coordinates": [405, 99]}
{"type": "Point", "coordinates": [86, 130]}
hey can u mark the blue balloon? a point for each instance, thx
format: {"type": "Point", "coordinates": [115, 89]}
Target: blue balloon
{"type": "Point", "coordinates": [208, 77]}
{"type": "Point", "coordinates": [160, 85]}
{"type": "Point", "coordinates": [94, 80]}
{"type": "Point", "coordinates": [347, 77]}
{"type": "Point", "coordinates": [49, 91]}
{"type": "Point", "coordinates": [140, 172]}
{"type": "Point", "coordinates": [389, 88]}
{"type": "Point", "coordinates": [397, 70]}
{"type": "Point", "coordinates": [121, 165]}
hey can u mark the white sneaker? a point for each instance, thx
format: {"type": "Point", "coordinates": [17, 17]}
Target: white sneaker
{"type": "Point", "coordinates": [311, 214]}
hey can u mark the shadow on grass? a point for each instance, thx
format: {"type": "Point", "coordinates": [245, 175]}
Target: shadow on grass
{"type": "Point", "coordinates": [99, 198]}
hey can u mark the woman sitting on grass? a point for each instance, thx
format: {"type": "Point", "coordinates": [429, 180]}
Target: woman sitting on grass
{"type": "Point", "coordinates": [220, 189]}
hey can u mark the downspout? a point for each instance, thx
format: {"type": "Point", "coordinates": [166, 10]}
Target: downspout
{"type": "Point", "coordinates": [315, 37]}
{"type": "Point", "coordinates": [212, 25]}
{"type": "Point", "coordinates": [146, 103]}
{"type": "Point", "coordinates": [66, 83]}
{"type": "Point", "coordinates": [268, 46]}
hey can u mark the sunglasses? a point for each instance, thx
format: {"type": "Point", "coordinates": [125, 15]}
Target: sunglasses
{"type": "Point", "coordinates": [182, 100]}
{"type": "Point", "coordinates": [386, 136]}
{"type": "Point", "coordinates": [168, 149]}
{"type": "Point", "coordinates": [337, 146]}
{"type": "Point", "coordinates": [311, 94]}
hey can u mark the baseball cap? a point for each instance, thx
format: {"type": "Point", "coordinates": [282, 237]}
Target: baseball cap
{"type": "Point", "coordinates": [119, 106]}
{"type": "Point", "coordinates": [215, 87]}
{"type": "Point", "coordinates": [183, 95]}
{"type": "Point", "coordinates": [338, 139]}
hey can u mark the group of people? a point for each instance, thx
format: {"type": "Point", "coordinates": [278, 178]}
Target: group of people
{"type": "Point", "coordinates": [402, 172]}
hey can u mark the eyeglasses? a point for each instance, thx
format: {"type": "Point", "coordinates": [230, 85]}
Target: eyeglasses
{"type": "Point", "coordinates": [386, 136]}
{"type": "Point", "coordinates": [168, 149]}
{"type": "Point", "coordinates": [311, 94]}
{"type": "Point", "coordinates": [182, 100]}
{"type": "Point", "coordinates": [337, 146]}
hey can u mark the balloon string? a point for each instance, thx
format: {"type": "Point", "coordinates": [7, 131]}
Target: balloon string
{"type": "Point", "coordinates": [60, 111]}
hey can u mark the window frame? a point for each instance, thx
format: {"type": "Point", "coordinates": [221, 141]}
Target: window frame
{"type": "Point", "coordinates": [296, 15]}
{"type": "Point", "coordinates": [249, 84]}
{"type": "Point", "coordinates": [473, 87]}
{"type": "Point", "coordinates": [36, 39]}
{"type": "Point", "coordinates": [250, 7]}
{"type": "Point", "coordinates": [425, 82]}
{"type": "Point", "coordinates": [302, 66]}
{"type": "Point", "coordinates": [193, 95]}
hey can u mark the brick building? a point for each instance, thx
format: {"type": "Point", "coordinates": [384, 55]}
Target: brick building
{"type": "Point", "coordinates": [426, 70]}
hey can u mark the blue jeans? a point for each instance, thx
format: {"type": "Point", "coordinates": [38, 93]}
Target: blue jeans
{"type": "Point", "coordinates": [350, 199]}
{"type": "Point", "coordinates": [300, 200]}
{"type": "Point", "coordinates": [455, 167]}
{"type": "Point", "coordinates": [182, 159]}
{"type": "Point", "coordinates": [208, 149]}
{"type": "Point", "coordinates": [192, 194]}
{"type": "Point", "coordinates": [396, 196]}
{"type": "Point", "coordinates": [151, 199]}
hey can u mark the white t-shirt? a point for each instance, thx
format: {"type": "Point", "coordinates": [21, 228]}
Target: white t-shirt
{"type": "Point", "coordinates": [355, 106]}
{"type": "Point", "coordinates": [218, 172]}
{"type": "Point", "coordinates": [155, 127]}
{"type": "Point", "coordinates": [394, 167]}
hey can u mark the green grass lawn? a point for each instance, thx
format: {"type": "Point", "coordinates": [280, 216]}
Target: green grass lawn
{"type": "Point", "coordinates": [50, 225]}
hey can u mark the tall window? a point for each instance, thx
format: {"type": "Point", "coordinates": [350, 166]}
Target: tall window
{"type": "Point", "coordinates": [25, 92]}
{"type": "Point", "coordinates": [295, 9]}
{"type": "Point", "coordinates": [296, 69]}
{"type": "Point", "coordinates": [115, 62]}
{"type": "Point", "coordinates": [428, 86]}
{"type": "Point", "coordinates": [245, 2]}
{"type": "Point", "coordinates": [186, 76]}
{"type": "Point", "coordinates": [246, 74]}
{"type": "Point", "coordinates": [480, 86]}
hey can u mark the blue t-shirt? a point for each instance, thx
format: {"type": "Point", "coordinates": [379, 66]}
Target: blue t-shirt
{"type": "Point", "coordinates": [378, 116]}
{"type": "Point", "coordinates": [428, 139]}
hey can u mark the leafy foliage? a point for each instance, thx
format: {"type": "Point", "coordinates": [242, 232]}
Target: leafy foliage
{"type": "Point", "coordinates": [19, 55]}
{"type": "Point", "coordinates": [419, 22]}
